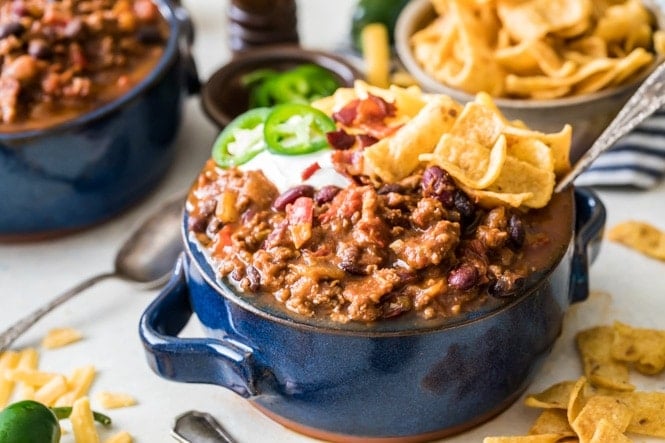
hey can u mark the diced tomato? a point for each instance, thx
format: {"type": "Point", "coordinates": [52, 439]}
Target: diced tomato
{"type": "Point", "coordinates": [223, 239]}
{"type": "Point", "coordinates": [310, 170]}
{"type": "Point", "coordinates": [300, 214]}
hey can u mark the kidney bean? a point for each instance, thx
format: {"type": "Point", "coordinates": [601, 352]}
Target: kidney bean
{"type": "Point", "coordinates": [39, 48]}
{"type": "Point", "coordinates": [439, 184]}
{"type": "Point", "coordinates": [11, 28]}
{"type": "Point", "coordinates": [291, 195]}
{"type": "Point", "coordinates": [254, 278]}
{"type": "Point", "coordinates": [197, 224]}
{"type": "Point", "coordinates": [73, 28]}
{"type": "Point", "coordinates": [463, 277]}
{"type": "Point", "coordinates": [326, 194]}
{"type": "Point", "coordinates": [516, 231]}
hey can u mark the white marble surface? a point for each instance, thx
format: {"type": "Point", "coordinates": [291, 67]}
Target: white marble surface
{"type": "Point", "coordinates": [626, 285]}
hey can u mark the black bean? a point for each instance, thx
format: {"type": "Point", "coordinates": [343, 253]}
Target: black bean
{"type": "Point", "coordinates": [439, 184]}
{"type": "Point", "coordinates": [464, 205]}
{"type": "Point", "coordinates": [11, 28]}
{"type": "Point", "coordinates": [505, 286]}
{"type": "Point", "coordinates": [353, 268]}
{"type": "Point", "coordinates": [326, 194]}
{"type": "Point", "coordinates": [516, 231]}
{"type": "Point", "coordinates": [149, 35]}
{"type": "Point", "coordinates": [463, 277]}
{"type": "Point", "coordinates": [39, 48]}
{"type": "Point", "coordinates": [291, 195]}
{"type": "Point", "coordinates": [254, 278]}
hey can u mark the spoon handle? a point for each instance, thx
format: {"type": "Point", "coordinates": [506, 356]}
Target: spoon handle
{"type": "Point", "coordinates": [647, 99]}
{"type": "Point", "coordinates": [8, 336]}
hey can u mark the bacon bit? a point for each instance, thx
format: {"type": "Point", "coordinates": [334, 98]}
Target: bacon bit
{"type": "Point", "coordinates": [366, 140]}
{"type": "Point", "coordinates": [300, 215]}
{"type": "Point", "coordinates": [347, 115]}
{"type": "Point", "coordinates": [348, 162]}
{"type": "Point", "coordinates": [340, 139]}
{"type": "Point", "coordinates": [310, 170]}
{"type": "Point", "coordinates": [375, 108]}
{"type": "Point", "coordinates": [346, 203]}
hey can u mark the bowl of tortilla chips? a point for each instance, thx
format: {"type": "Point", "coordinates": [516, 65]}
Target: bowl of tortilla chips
{"type": "Point", "coordinates": [544, 62]}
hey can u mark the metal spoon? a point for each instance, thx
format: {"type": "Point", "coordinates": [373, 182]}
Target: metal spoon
{"type": "Point", "coordinates": [647, 99]}
{"type": "Point", "coordinates": [146, 257]}
{"type": "Point", "coordinates": [199, 427]}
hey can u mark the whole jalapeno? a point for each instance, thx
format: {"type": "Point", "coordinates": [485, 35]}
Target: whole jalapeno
{"type": "Point", "coordinates": [28, 421]}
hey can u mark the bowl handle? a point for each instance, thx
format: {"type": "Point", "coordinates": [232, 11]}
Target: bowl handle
{"type": "Point", "coordinates": [223, 362]}
{"type": "Point", "coordinates": [590, 218]}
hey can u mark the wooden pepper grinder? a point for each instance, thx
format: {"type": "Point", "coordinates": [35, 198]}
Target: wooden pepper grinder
{"type": "Point", "coordinates": [255, 23]}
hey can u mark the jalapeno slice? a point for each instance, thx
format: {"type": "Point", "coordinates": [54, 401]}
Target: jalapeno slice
{"type": "Point", "coordinates": [294, 129]}
{"type": "Point", "coordinates": [301, 84]}
{"type": "Point", "coordinates": [242, 139]}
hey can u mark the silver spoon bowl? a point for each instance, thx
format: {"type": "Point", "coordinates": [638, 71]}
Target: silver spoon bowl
{"type": "Point", "coordinates": [146, 258]}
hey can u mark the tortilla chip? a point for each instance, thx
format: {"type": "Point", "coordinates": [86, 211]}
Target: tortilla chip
{"type": "Point", "coordinates": [598, 407]}
{"type": "Point", "coordinates": [552, 421]}
{"type": "Point", "coordinates": [645, 348]}
{"type": "Point", "coordinates": [605, 432]}
{"type": "Point", "coordinates": [648, 412]}
{"type": "Point", "coordinates": [600, 368]}
{"type": "Point", "coordinates": [556, 396]}
{"type": "Point", "coordinates": [393, 158]}
{"type": "Point", "coordinates": [640, 236]}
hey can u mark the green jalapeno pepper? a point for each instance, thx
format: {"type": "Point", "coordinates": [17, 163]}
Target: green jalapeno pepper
{"type": "Point", "coordinates": [29, 421]}
{"type": "Point", "coordinates": [294, 129]}
{"type": "Point", "coordinates": [302, 84]}
{"type": "Point", "coordinates": [375, 11]}
{"type": "Point", "coordinates": [242, 139]}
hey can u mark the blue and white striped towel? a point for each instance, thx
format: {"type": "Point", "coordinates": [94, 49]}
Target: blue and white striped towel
{"type": "Point", "coordinates": [637, 160]}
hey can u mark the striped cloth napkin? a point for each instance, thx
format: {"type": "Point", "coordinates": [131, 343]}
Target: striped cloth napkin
{"type": "Point", "coordinates": [637, 160]}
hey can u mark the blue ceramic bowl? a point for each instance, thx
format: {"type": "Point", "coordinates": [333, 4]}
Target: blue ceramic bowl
{"type": "Point", "coordinates": [83, 171]}
{"type": "Point", "coordinates": [365, 383]}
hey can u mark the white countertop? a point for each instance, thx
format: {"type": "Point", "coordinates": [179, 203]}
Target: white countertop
{"type": "Point", "coordinates": [626, 285]}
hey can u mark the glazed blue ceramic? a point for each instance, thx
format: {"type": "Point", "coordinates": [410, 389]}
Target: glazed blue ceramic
{"type": "Point", "coordinates": [362, 382]}
{"type": "Point", "coordinates": [86, 170]}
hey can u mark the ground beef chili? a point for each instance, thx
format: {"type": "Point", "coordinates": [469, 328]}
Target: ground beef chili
{"type": "Point", "coordinates": [59, 59]}
{"type": "Point", "coordinates": [366, 253]}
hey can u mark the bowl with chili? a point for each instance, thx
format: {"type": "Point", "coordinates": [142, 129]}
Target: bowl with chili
{"type": "Point", "coordinates": [354, 309]}
{"type": "Point", "coordinates": [276, 74]}
{"type": "Point", "coordinates": [91, 96]}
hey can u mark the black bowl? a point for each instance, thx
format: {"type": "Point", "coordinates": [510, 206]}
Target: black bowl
{"type": "Point", "coordinates": [224, 97]}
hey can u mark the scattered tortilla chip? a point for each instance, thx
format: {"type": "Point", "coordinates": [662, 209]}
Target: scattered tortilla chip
{"type": "Point", "coordinates": [598, 407]}
{"type": "Point", "coordinates": [577, 399]}
{"type": "Point", "coordinates": [552, 421]}
{"type": "Point", "coordinates": [648, 412]}
{"type": "Point", "coordinates": [556, 396]}
{"type": "Point", "coordinates": [640, 236]}
{"type": "Point", "coordinates": [605, 432]}
{"type": "Point", "coordinates": [543, 438]}
{"type": "Point", "coordinates": [645, 348]}
{"type": "Point", "coordinates": [600, 368]}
